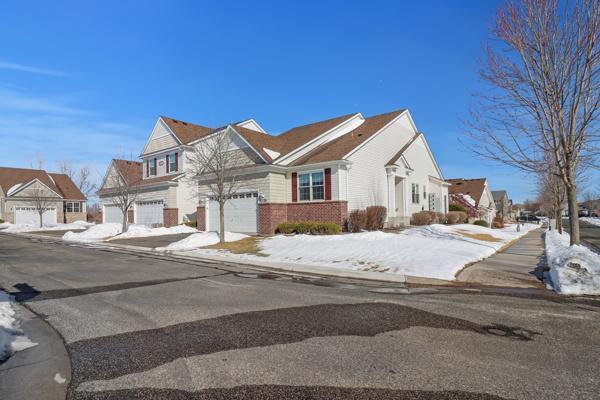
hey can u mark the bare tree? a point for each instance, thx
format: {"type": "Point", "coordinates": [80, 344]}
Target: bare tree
{"type": "Point", "coordinates": [552, 195]}
{"type": "Point", "coordinates": [42, 199]}
{"type": "Point", "coordinates": [213, 163]}
{"type": "Point", "coordinates": [543, 92]}
{"type": "Point", "coordinates": [81, 176]}
{"type": "Point", "coordinates": [122, 186]}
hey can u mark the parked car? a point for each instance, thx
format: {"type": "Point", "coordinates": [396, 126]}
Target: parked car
{"type": "Point", "coordinates": [529, 218]}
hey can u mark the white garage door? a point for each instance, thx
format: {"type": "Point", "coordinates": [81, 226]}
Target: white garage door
{"type": "Point", "coordinates": [113, 214]}
{"type": "Point", "coordinates": [241, 214]}
{"type": "Point", "coordinates": [29, 215]}
{"type": "Point", "coordinates": [149, 213]}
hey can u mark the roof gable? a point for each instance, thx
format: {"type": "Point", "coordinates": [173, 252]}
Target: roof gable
{"type": "Point", "coordinates": [186, 132]}
{"type": "Point", "coordinates": [67, 187]}
{"type": "Point", "coordinates": [10, 177]}
{"type": "Point", "coordinates": [473, 187]}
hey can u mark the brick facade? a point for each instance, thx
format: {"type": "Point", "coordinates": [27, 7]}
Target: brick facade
{"type": "Point", "coordinates": [201, 218]}
{"type": "Point", "coordinates": [170, 217]}
{"type": "Point", "coordinates": [272, 214]}
{"type": "Point", "coordinates": [71, 217]}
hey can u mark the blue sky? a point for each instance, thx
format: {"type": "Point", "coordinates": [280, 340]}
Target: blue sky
{"type": "Point", "coordinates": [85, 81]}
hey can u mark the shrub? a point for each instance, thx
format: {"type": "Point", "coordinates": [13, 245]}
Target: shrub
{"type": "Point", "coordinates": [309, 227]}
{"type": "Point", "coordinates": [375, 217]}
{"type": "Point", "coordinates": [286, 227]}
{"type": "Point", "coordinates": [456, 217]}
{"type": "Point", "coordinates": [456, 207]}
{"type": "Point", "coordinates": [440, 218]}
{"type": "Point", "coordinates": [357, 220]}
{"type": "Point", "coordinates": [481, 222]}
{"type": "Point", "coordinates": [326, 228]}
{"type": "Point", "coordinates": [498, 222]}
{"type": "Point", "coordinates": [423, 218]}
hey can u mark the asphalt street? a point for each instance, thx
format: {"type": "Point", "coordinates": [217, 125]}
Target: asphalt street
{"type": "Point", "coordinates": [589, 233]}
{"type": "Point", "coordinates": [153, 327]}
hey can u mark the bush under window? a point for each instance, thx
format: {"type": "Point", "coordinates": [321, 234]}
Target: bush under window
{"type": "Point", "coordinates": [456, 207]}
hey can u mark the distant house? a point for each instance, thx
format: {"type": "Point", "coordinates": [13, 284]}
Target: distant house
{"type": "Point", "coordinates": [19, 185]}
{"type": "Point", "coordinates": [321, 171]}
{"type": "Point", "coordinates": [477, 193]}
{"type": "Point", "coordinates": [503, 203]}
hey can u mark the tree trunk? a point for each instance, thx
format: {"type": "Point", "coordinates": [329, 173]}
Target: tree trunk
{"type": "Point", "coordinates": [41, 219]}
{"type": "Point", "coordinates": [559, 226]}
{"type": "Point", "coordinates": [573, 214]}
{"type": "Point", "coordinates": [221, 221]}
{"type": "Point", "coordinates": [124, 225]}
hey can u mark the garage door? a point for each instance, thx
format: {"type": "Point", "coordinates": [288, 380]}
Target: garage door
{"type": "Point", "coordinates": [113, 214]}
{"type": "Point", "coordinates": [29, 215]}
{"type": "Point", "coordinates": [149, 213]}
{"type": "Point", "coordinates": [241, 214]}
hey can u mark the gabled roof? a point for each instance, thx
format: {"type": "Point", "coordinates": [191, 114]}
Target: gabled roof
{"type": "Point", "coordinates": [338, 148]}
{"type": "Point", "coordinates": [260, 141]}
{"type": "Point", "coordinates": [399, 154]}
{"type": "Point", "coordinates": [59, 183]}
{"type": "Point", "coordinates": [67, 187]}
{"type": "Point", "coordinates": [132, 172]}
{"type": "Point", "coordinates": [472, 187]}
{"type": "Point", "coordinates": [185, 131]}
{"type": "Point", "coordinates": [499, 194]}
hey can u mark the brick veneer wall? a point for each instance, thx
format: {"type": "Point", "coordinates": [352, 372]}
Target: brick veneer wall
{"type": "Point", "coordinates": [201, 218]}
{"type": "Point", "coordinates": [272, 214]}
{"type": "Point", "coordinates": [130, 217]}
{"type": "Point", "coordinates": [74, 216]}
{"type": "Point", "coordinates": [170, 217]}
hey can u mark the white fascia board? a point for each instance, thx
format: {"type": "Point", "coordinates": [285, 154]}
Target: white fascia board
{"type": "Point", "coordinates": [291, 154]}
{"type": "Point", "coordinates": [435, 164]}
{"type": "Point", "coordinates": [157, 152]}
{"type": "Point", "coordinates": [26, 185]}
{"type": "Point", "coordinates": [249, 145]}
{"type": "Point", "coordinates": [360, 146]}
{"type": "Point", "coordinates": [253, 121]}
{"type": "Point", "coordinates": [166, 126]}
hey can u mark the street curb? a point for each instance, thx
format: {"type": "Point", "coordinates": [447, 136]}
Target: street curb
{"type": "Point", "coordinates": [260, 265]}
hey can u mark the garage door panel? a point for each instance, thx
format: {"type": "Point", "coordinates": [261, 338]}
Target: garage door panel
{"type": "Point", "coordinates": [241, 214]}
{"type": "Point", "coordinates": [113, 214]}
{"type": "Point", "coordinates": [28, 215]}
{"type": "Point", "coordinates": [149, 213]}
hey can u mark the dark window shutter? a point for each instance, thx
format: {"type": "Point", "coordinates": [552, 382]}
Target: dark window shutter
{"type": "Point", "coordinates": [147, 168]}
{"type": "Point", "coordinates": [167, 160]}
{"type": "Point", "coordinates": [155, 170]}
{"type": "Point", "coordinates": [294, 187]}
{"type": "Point", "coordinates": [327, 183]}
{"type": "Point", "coordinates": [176, 162]}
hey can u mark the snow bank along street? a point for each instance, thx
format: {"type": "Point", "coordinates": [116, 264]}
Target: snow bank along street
{"type": "Point", "coordinates": [16, 228]}
{"type": "Point", "coordinates": [573, 269]}
{"type": "Point", "coordinates": [590, 220]}
{"type": "Point", "coordinates": [110, 231]}
{"type": "Point", "coordinates": [201, 239]}
{"type": "Point", "coordinates": [11, 337]}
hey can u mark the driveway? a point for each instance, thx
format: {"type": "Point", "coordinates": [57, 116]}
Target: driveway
{"type": "Point", "coordinates": [152, 241]}
{"type": "Point", "coordinates": [153, 327]}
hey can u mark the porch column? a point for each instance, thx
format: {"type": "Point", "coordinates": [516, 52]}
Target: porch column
{"type": "Point", "coordinates": [391, 190]}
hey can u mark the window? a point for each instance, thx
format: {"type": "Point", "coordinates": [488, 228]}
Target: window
{"type": "Point", "coordinates": [415, 193]}
{"type": "Point", "coordinates": [311, 186]}
{"type": "Point", "coordinates": [73, 206]}
{"type": "Point", "coordinates": [152, 167]}
{"type": "Point", "coordinates": [424, 193]}
{"type": "Point", "coordinates": [172, 162]}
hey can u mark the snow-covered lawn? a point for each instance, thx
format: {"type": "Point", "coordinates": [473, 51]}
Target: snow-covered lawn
{"type": "Point", "coordinates": [201, 239]}
{"type": "Point", "coordinates": [111, 231]}
{"type": "Point", "coordinates": [8, 227]}
{"type": "Point", "coordinates": [573, 269]}
{"type": "Point", "coordinates": [11, 337]}
{"type": "Point", "coordinates": [591, 220]}
{"type": "Point", "coordinates": [435, 251]}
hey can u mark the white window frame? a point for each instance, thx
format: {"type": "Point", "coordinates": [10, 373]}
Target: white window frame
{"type": "Point", "coordinates": [73, 204]}
{"type": "Point", "coordinates": [172, 159]}
{"type": "Point", "coordinates": [415, 193]}
{"type": "Point", "coordinates": [151, 165]}
{"type": "Point", "coordinates": [310, 185]}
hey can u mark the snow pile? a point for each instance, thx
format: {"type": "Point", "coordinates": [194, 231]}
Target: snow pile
{"type": "Point", "coordinates": [95, 233]}
{"type": "Point", "coordinates": [435, 251]}
{"type": "Point", "coordinates": [591, 220]}
{"type": "Point", "coordinates": [137, 231]}
{"type": "Point", "coordinates": [573, 269]}
{"type": "Point", "coordinates": [11, 337]}
{"type": "Point", "coordinates": [201, 239]}
{"type": "Point", "coordinates": [15, 228]}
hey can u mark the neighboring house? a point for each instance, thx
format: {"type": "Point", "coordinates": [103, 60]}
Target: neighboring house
{"type": "Point", "coordinates": [19, 187]}
{"type": "Point", "coordinates": [503, 203]}
{"type": "Point", "coordinates": [319, 171]}
{"type": "Point", "coordinates": [515, 211]}
{"type": "Point", "coordinates": [477, 190]}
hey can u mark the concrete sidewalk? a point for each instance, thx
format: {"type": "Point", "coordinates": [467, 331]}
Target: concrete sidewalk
{"type": "Point", "coordinates": [520, 265]}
